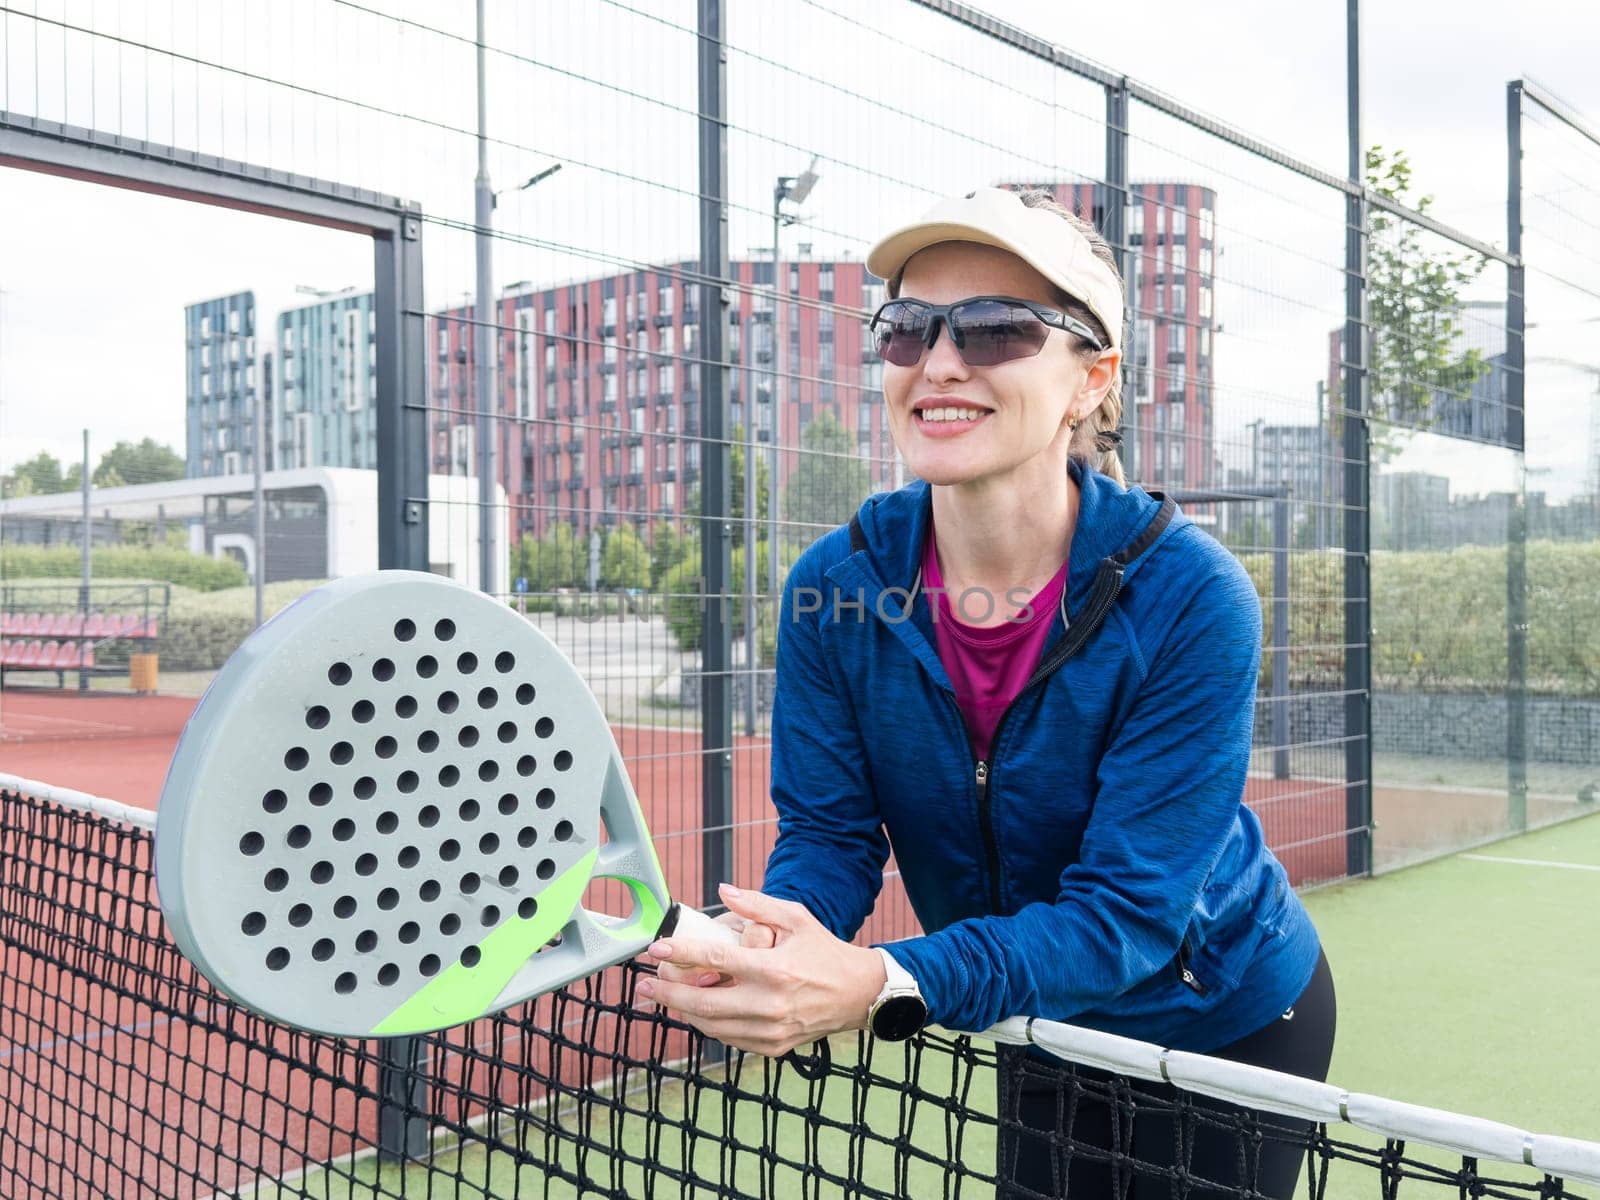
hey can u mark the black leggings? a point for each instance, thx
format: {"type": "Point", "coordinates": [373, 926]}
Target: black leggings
{"type": "Point", "coordinates": [1105, 1117]}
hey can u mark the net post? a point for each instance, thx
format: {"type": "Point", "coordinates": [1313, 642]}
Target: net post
{"type": "Point", "coordinates": [402, 1093]}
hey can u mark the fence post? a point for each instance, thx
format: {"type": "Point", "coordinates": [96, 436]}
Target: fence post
{"type": "Point", "coordinates": [1516, 516]}
{"type": "Point", "coordinates": [1281, 735]}
{"type": "Point", "coordinates": [1115, 232]}
{"type": "Point", "coordinates": [1357, 485]}
{"type": "Point", "coordinates": [402, 461]}
{"type": "Point", "coordinates": [716, 529]}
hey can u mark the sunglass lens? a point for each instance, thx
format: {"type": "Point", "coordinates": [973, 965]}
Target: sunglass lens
{"type": "Point", "coordinates": [991, 332]}
{"type": "Point", "coordinates": [900, 332]}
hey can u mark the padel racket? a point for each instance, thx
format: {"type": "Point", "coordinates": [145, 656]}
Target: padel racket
{"type": "Point", "coordinates": [384, 812]}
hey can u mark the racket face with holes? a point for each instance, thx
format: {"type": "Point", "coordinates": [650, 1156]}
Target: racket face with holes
{"type": "Point", "coordinates": [382, 815]}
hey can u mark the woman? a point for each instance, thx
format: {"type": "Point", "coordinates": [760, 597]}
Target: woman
{"type": "Point", "coordinates": [1038, 686]}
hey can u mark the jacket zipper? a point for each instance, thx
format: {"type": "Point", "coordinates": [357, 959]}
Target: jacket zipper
{"type": "Point", "coordinates": [982, 769]}
{"type": "Point", "coordinates": [1185, 973]}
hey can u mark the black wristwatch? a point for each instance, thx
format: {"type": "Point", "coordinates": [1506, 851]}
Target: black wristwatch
{"type": "Point", "coordinates": [899, 1011]}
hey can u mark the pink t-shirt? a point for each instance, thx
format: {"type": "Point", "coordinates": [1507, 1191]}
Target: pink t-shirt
{"type": "Point", "coordinates": [988, 666]}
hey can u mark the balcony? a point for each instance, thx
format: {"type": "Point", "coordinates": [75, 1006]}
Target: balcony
{"type": "Point", "coordinates": [633, 478]}
{"type": "Point", "coordinates": [608, 406]}
{"type": "Point", "coordinates": [610, 479]}
{"type": "Point", "coordinates": [611, 440]}
{"type": "Point", "coordinates": [634, 437]}
{"type": "Point", "coordinates": [574, 445]}
{"type": "Point", "coordinates": [1177, 354]}
{"type": "Point", "coordinates": [575, 485]}
{"type": "Point", "coordinates": [665, 318]}
{"type": "Point", "coordinates": [1175, 395]}
{"type": "Point", "coordinates": [691, 312]}
{"type": "Point", "coordinates": [608, 330]}
{"type": "Point", "coordinates": [570, 372]}
{"type": "Point", "coordinates": [666, 474]}
{"type": "Point", "coordinates": [574, 409]}
{"type": "Point", "coordinates": [551, 486]}
{"type": "Point", "coordinates": [691, 475]}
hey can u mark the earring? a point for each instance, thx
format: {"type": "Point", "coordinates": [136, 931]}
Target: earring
{"type": "Point", "coordinates": [1072, 424]}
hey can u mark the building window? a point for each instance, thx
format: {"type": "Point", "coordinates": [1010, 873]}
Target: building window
{"type": "Point", "coordinates": [1208, 225]}
{"type": "Point", "coordinates": [1205, 303]}
{"type": "Point", "coordinates": [1180, 259]}
{"type": "Point", "coordinates": [608, 310]}
{"type": "Point", "coordinates": [666, 299]}
{"type": "Point", "coordinates": [233, 320]}
{"type": "Point", "coordinates": [666, 339]}
{"type": "Point", "coordinates": [1178, 304]}
{"type": "Point", "coordinates": [666, 379]}
{"type": "Point", "coordinates": [825, 281]}
{"type": "Point", "coordinates": [1136, 220]}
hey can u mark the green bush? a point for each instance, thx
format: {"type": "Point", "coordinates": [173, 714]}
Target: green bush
{"type": "Point", "coordinates": [203, 628]}
{"type": "Point", "coordinates": [161, 563]}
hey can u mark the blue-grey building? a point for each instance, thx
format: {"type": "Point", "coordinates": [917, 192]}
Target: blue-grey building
{"type": "Point", "coordinates": [220, 385]}
{"type": "Point", "coordinates": [325, 371]}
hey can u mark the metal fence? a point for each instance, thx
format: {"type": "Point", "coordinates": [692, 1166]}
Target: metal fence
{"type": "Point", "coordinates": [609, 365]}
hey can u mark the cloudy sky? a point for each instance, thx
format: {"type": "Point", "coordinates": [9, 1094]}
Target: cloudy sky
{"type": "Point", "coordinates": [94, 280]}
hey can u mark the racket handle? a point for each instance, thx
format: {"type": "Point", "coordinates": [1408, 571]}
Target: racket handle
{"type": "Point", "coordinates": [692, 923]}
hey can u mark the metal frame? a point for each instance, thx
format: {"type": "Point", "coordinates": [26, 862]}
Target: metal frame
{"type": "Point", "coordinates": [395, 227]}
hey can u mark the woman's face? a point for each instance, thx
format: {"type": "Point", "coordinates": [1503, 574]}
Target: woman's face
{"type": "Point", "coordinates": [1019, 408]}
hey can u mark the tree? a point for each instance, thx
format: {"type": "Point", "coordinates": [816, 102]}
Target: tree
{"type": "Point", "coordinates": [1415, 309]}
{"type": "Point", "coordinates": [146, 462]}
{"type": "Point", "coordinates": [39, 476]}
{"type": "Point", "coordinates": [830, 481]}
{"type": "Point", "coordinates": [668, 548]}
{"type": "Point", "coordinates": [556, 560]}
{"type": "Point", "coordinates": [736, 484]}
{"type": "Point", "coordinates": [624, 561]}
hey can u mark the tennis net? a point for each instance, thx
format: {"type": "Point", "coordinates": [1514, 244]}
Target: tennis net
{"type": "Point", "coordinates": [123, 1073]}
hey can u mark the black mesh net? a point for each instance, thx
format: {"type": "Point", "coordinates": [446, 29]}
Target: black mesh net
{"type": "Point", "coordinates": [124, 1074]}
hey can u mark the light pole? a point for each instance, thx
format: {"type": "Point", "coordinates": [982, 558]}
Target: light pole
{"type": "Point", "coordinates": [794, 188]}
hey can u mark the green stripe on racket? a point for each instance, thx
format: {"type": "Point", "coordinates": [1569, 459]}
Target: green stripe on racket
{"type": "Point", "coordinates": [382, 816]}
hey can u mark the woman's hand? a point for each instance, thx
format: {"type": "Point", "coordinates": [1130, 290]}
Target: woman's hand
{"type": "Point", "coordinates": [806, 984]}
{"type": "Point", "coordinates": [752, 934]}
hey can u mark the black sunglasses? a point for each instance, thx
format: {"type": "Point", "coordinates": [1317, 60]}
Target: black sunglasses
{"type": "Point", "coordinates": [987, 330]}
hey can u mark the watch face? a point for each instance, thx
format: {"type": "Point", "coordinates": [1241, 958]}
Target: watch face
{"type": "Point", "coordinates": [898, 1017]}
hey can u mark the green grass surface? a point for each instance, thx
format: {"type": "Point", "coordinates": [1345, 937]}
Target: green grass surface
{"type": "Point", "coordinates": [1463, 984]}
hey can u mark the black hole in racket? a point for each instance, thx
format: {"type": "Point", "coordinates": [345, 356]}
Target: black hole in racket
{"type": "Point", "coordinates": [507, 805]}
{"type": "Point", "coordinates": [363, 711]}
{"type": "Point", "coordinates": [470, 957]}
{"type": "Point", "coordinates": [429, 964]}
{"type": "Point", "coordinates": [429, 891]}
{"type": "Point", "coordinates": [252, 843]}
{"type": "Point", "coordinates": [445, 630]}
{"type": "Point", "coordinates": [366, 941]}
{"type": "Point", "coordinates": [406, 706]}
{"type": "Point", "coordinates": [526, 907]}
{"type": "Point", "coordinates": [507, 732]}
{"type": "Point", "coordinates": [449, 702]}
{"type": "Point", "coordinates": [406, 781]}
{"type": "Point", "coordinates": [277, 879]}
{"type": "Point", "coordinates": [504, 661]}
{"type": "Point", "coordinates": [253, 923]}
{"type": "Point", "coordinates": [488, 844]}
{"type": "Point", "coordinates": [409, 857]}
{"type": "Point", "coordinates": [526, 765]}
{"type": "Point", "coordinates": [563, 760]}
{"type": "Point", "coordinates": [470, 883]}
{"type": "Point", "coordinates": [546, 798]}
{"type": "Point", "coordinates": [366, 864]}
{"type": "Point", "coordinates": [342, 753]}
{"type": "Point", "coordinates": [277, 958]}
{"type": "Point", "coordinates": [317, 717]}
{"type": "Point", "coordinates": [275, 801]}
{"type": "Point", "coordinates": [388, 822]}
{"type": "Point", "coordinates": [345, 984]}
{"type": "Point", "coordinates": [386, 747]}
{"type": "Point", "coordinates": [321, 794]}
{"type": "Point", "coordinates": [488, 697]}
{"type": "Point", "coordinates": [383, 670]}
{"type": "Point", "coordinates": [296, 759]}
{"type": "Point", "coordinates": [563, 830]}
{"type": "Point", "coordinates": [322, 872]}
{"type": "Point", "coordinates": [388, 899]}
{"type": "Point", "coordinates": [525, 694]}
{"type": "Point", "coordinates": [547, 868]}
{"type": "Point", "coordinates": [527, 836]}
{"type": "Point", "coordinates": [405, 629]}
{"type": "Point", "coordinates": [322, 951]}
{"type": "Point", "coordinates": [544, 727]}
{"type": "Point", "coordinates": [427, 816]}
{"type": "Point", "coordinates": [339, 674]}
{"type": "Point", "coordinates": [299, 837]}
{"type": "Point", "coordinates": [344, 829]}
{"type": "Point", "coordinates": [468, 736]}
{"type": "Point", "coordinates": [508, 876]}
{"type": "Point", "coordinates": [449, 776]}
{"type": "Point", "coordinates": [427, 666]}
{"type": "Point", "coordinates": [468, 810]}
{"type": "Point", "coordinates": [427, 741]}
{"type": "Point", "coordinates": [300, 916]}
{"type": "Point", "coordinates": [488, 770]}
{"type": "Point", "coordinates": [366, 787]}
{"type": "Point", "coordinates": [410, 932]}
{"type": "Point", "coordinates": [449, 923]}
{"type": "Point", "coordinates": [450, 850]}
{"type": "Point", "coordinates": [490, 915]}
{"type": "Point", "coordinates": [387, 974]}
{"type": "Point", "coordinates": [344, 907]}
{"type": "Point", "coordinates": [467, 663]}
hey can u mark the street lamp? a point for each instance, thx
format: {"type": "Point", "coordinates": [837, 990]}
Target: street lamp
{"type": "Point", "coordinates": [795, 189]}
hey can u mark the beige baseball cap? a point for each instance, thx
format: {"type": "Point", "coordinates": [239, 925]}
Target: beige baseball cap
{"type": "Point", "coordinates": [997, 217]}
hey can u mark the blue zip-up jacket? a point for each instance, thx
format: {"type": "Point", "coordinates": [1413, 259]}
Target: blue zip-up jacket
{"type": "Point", "coordinates": [1100, 867]}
